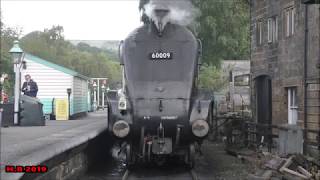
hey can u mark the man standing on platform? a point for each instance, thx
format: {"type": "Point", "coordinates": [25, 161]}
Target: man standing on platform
{"type": "Point", "coordinates": [29, 88]}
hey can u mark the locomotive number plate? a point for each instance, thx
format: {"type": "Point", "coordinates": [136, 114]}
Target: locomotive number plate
{"type": "Point", "coordinates": [161, 55]}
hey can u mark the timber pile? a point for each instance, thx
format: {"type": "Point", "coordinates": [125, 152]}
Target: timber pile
{"type": "Point", "coordinates": [293, 167]}
{"type": "Point", "coordinates": [270, 166]}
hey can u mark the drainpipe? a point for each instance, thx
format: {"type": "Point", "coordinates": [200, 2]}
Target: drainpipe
{"type": "Point", "coordinates": [305, 78]}
{"type": "Point", "coordinates": [250, 58]}
{"type": "Point", "coordinates": [319, 83]}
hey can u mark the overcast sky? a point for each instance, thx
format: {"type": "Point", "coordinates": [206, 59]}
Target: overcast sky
{"type": "Point", "coordinates": [81, 19]}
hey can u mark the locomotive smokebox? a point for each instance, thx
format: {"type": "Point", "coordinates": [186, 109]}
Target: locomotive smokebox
{"type": "Point", "coordinates": [161, 15]}
{"type": "Point", "coordinates": [161, 18]}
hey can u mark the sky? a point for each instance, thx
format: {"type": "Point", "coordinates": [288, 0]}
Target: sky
{"type": "Point", "coordinates": [81, 19]}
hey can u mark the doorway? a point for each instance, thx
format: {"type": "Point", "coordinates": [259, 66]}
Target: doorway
{"type": "Point", "coordinates": [264, 99]}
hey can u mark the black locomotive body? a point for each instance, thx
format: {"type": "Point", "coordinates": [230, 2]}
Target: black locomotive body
{"type": "Point", "coordinates": [160, 112]}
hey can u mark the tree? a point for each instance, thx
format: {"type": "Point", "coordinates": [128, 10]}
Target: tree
{"type": "Point", "coordinates": [211, 78]}
{"type": "Point", "coordinates": [55, 33]}
{"type": "Point", "coordinates": [223, 28]}
{"type": "Point", "coordinates": [83, 58]}
{"type": "Point", "coordinates": [8, 35]}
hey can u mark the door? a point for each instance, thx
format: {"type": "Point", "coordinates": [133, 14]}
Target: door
{"type": "Point", "coordinates": [264, 100]}
{"type": "Point", "coordinates": [292, 106]}
{"type": "Point", "coordinates": [264, 108]}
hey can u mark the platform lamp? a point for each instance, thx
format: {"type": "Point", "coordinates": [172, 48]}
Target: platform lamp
{"type": "Point", "coordinates": [94, 95]}
{"type": "Point", "coordinates": [69, 90]}
{"type": "Point", "coordinates": [103, 88]}
{"type": "Point", "coordinates": [17, 56]}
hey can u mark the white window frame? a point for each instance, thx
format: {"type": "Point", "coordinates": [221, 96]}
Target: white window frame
{"type": "Point", "coordinates": [292, 105]}
{"type": "Point", "coordinates": [259, 32]}
{"type": "Point", "coordinates": [292, 20]}
{"type": "Point", "coordinates": [289, 21]}
{"type": "Point", "coordinates": [272, 29]}
{"type": "Point", "coordinates": [275, 29]}
{"type": "Point", "coordinates": [287, 28]}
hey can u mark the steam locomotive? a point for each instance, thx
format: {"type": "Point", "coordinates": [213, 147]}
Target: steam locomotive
{"type": "Point", "coordinates": [159, 112]}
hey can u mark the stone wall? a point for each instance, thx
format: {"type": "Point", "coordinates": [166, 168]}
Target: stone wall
{"type": "Point", "coordinates": [283, 61]}
{"type": "Point", "coordinates": [74, 163]}
{"type": "Point", "coordinates": [70, 169]}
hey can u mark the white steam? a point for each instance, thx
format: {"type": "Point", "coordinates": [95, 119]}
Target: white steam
{"type": "Point", "coordinates": [181, 12]}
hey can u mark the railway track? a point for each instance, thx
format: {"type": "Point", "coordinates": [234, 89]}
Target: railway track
{"type": "Point", "coordinates": [215, 163]}
{"type": "Point", "coordinates": [192, 173]}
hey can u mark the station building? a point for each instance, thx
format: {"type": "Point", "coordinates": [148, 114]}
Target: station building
{"type": "Point", "coordinates": [53, 81]}
{"type": "Point", "coordinates": [285, 66]}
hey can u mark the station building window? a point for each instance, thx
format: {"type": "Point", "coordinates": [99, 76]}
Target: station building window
{"type": "Point", "coordinates": [272, 29]}
{"type": "Point", "coordinates": [289, 21]}
{"type": "Point", "coordinates": [259, 32]}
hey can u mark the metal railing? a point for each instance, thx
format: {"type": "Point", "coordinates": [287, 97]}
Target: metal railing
{"type": "Point", "coordinates": [264, 134]}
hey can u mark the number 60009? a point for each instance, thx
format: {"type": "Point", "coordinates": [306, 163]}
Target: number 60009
{"type": "Point", "coordinates": [160, 55]}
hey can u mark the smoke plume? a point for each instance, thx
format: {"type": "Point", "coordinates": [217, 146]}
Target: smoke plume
{"type": "Point", "coordinates": [181, 12]}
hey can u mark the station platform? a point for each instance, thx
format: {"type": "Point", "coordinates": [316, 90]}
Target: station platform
{"type": "Point", "coordinates": [28, 146]}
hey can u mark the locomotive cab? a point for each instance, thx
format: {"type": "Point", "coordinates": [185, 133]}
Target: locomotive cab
{"type": "Point", "coordinates": [160, 112]}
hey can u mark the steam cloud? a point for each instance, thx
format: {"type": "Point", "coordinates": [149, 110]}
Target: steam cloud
{"type": "Point", "coordinates": [181, 12]}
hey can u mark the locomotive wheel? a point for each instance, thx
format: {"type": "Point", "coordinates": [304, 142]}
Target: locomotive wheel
{"type": "Point", "coordinates": [191, 156]}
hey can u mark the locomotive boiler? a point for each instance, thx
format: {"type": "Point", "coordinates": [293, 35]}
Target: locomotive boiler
{"type": "Point", "coordinates": [159, 111]}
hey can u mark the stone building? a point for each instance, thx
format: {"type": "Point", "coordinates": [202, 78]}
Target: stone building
{"type": "Point", "coordinates": [285, 65]}
{"type": "Point", "coordinates": [234, 96]}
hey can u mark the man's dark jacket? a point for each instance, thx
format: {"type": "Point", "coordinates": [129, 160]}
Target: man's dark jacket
{"type": "Point", "coordinates": [33, 88]}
